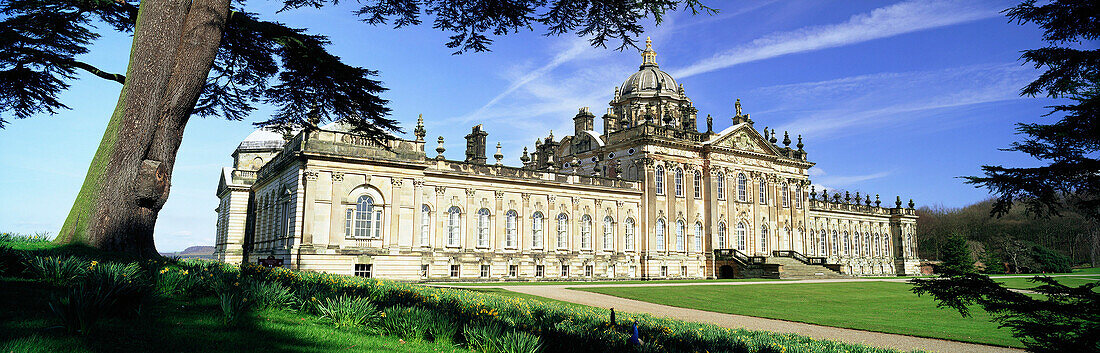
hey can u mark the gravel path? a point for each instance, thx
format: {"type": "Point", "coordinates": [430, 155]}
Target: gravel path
{"type": "Point", "coordinates": [877, 339]}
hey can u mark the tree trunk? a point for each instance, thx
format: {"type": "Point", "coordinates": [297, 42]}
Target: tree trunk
{"type": "Point", "coordinates": [128, 182]}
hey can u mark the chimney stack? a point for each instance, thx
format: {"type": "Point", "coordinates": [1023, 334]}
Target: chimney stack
{"type": "Point", "coordinates": [475, 145]}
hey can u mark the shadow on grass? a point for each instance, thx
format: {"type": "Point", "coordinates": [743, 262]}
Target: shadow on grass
{"type": "Point", "coordinates": [174, 325]}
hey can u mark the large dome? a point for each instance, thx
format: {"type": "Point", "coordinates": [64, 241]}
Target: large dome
{"type": "Point", "coordinates": [649, 79]}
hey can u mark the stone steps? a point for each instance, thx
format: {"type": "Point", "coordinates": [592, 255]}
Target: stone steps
{"type": "Point", "coordinates": [791, 268]}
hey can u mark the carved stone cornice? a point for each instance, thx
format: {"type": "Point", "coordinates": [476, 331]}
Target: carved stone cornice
{"type": "Point", "coordinates": [470, 193]}
{"type": "Point", "coordinates": [499, 194]}
{"type": "Point", "coordinates": [440, 190]}
{"type": "Point", "coordinates": [337, 177]}
{"type": "Point", "coordinates": [311, 175]}
{"type": "Point", "coordinates": [418, 184]}
{"type": "Point", "coordinates": [397, 182]}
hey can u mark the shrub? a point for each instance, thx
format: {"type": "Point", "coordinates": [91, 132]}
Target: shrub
{"type": "Point", "coordinates": [265, 295]}
{"type": "Point", "coordinates": [411, 323]}
{"type": "Point", "coordinates": [347, 311]}
{"type": "Point", "coordinates": [122, 285]}
{"type": "Point", "coordinates": [173, 282]}
{"type": "Point", "coordinates": [1050, 261]}
{"type": "Point", "coordinates": [482, 338]}
{"type": "Point", "coordinates": [234, 304]}
{"type": "Point", "coordinates": [78, 308]}
{"type": "Point", "coordinates": [12, 262]}
{"type": "Point", "coordinates": [440, 328]}
{"type": "Point", "coordinates": [58, 270]}
{"type": "Point", "coordinates": [519, 342]}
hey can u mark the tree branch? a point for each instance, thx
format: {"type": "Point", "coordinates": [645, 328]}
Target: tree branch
{"type": "Point", "coordinates": [96, 71]}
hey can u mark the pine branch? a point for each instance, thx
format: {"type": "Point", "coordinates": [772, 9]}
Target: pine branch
{"type": "Point", "coordinates": [96, 71]}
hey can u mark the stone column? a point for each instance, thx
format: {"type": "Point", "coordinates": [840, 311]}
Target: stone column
{"type": "Point", "coordinates": [396, 203]}
{"type": "Point", "coordinates": [469, 240]}
{"type": "Point", "coordinates": [498, 223]}
{"type": "Point", "coordinates": [440, 239]}
{"type": "Point", "coordinates": [524, 224]}
{"type": "Point", "coordinates": [418, 214]}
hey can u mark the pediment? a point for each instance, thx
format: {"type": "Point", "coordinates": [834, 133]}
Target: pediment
{"type": "Point", "coordinates": [743, 137]}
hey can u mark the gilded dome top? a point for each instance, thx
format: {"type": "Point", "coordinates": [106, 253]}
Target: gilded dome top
{"type": "Point", "coordinates": [649, 79]}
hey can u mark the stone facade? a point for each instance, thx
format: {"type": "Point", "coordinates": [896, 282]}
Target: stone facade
{"type": "Point", "coordinates": [649, 197]}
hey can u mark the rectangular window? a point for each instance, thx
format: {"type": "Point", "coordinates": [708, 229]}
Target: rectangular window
{"type": "Point", "coordinates": [484, 271]}
{"type": "Point", "coordinates": [683, 271]}
{"type": "Point", "coordinates": [664, 271]}
{"type": "Point", "coordinates": [565, 270]}
{"type": "Point", "coordinates": [454, 271]}
{"type": "Point", "coordinates": [363, 270]}
{"type": "Point", "coordinates": [611, 270]}
{"type": "Point", "coordinates": [702, 271]}
{"type": "Point", "coordinates": [588, 270]}
{"type": "Point", "coordinates": [540, 271]}
{"type": "Point", "coordinates": [633, 271]}
{"type": "Point", "coordinates": [423, 271]}
{"type": "Point", "coordinates": [513, 270]}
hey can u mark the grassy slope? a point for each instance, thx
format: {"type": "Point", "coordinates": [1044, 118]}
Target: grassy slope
{"type": "Point", "coordinates": [1026, 283]}
{"type": "Point", "coordinates": [180, 326]}
{"type": "Point", "coordinates": [874, 306]}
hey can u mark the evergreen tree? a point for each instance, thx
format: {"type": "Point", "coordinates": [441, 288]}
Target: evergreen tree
{"type": "Point", "coordinates": [1071, 177]}
{"type": "Point", "coordinates": [955, 254]}
{"type": "Point", "coordinates": [213, 58]}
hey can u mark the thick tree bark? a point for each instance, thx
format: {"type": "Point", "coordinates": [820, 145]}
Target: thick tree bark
{"type": "Point", "coordinates": [128, 182]}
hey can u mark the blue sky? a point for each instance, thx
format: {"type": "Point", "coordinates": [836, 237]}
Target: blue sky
{"type": "Point", "coordinates": [892, 98]}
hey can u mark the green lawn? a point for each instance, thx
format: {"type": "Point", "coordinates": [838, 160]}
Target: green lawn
{"type": "Point", "coordinates": [873, 306]}
{"type": "Point", "coordinates": [586, 283]}
{"type": "Point", "coordinates": [26, 325]}
{"type": "Point", "coordinates": [1026, 283]}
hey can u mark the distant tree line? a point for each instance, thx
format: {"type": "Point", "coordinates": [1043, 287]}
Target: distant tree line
{"type": "Point", "coordinates": [1015, 242]}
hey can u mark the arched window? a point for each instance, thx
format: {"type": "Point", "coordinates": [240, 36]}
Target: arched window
{"type": "Point", "coordinates": [697, 184]}
{"type": "Point", "coordinates": [680, 234]}
{"type": "Point", "coordinates": [679, 181]}
{"type": "Point", "coordinates": [425, 224]}
{"type": "Point", "coordinates": [608, 233]}
{"type": "Point", "coordinates": [836, 245]}
{"type": "Point", "coordinates": [628, 234]}
{"type": "Point", "coordinates": [722, 235]}
{"type": "Point", "coordinates": [510, 228]}
{"type": "Point", "coordinates": [586, 232]}
{"type": "Point", "coordinates": [660, 232]}
{"type": "Point", "coordinates": [785, 242]}
{"type": "Point", "coordinates": [368, 218]}
{"type": "Point", "coordinates": [659, 179]}
{"type": "Point", "coordinates": [847, 243]}
{"type": "Point", "coordinates": [483, 227]}
{"type": "Point", "coordinates": [802, 238]}
{"type": "Point", "coordinates": [721, 189]}
{"type": "Point", "coordinates": [536, 230]}
{"type": "Point", "coordinates": [563, 230]}
{"type": "Point", "coordinates": [821, 242]}
{"type": "Point", "coordinates": [867, 245]}
{"type": "Point", "coordinates": [878, 246]}
{"type": "Point", "coordinates": [698, 243]}
{"type": "Point", "coordinates": [742, 187]}
{"type": "Point", "coordinates": [812, 244]}
{"type": "Point", "coordinates": [454, 226]}
{"type": "Point", "coordinates": [856, 245]}
{"type": "Point", "coordinates": [786, 196]}
{"type": "Point", "coordinates": [764, 238]}
{"type": "Point", "coordinates": [742, 237]}
{"type": "Point", "coordinates": [763, 192]}
{"type": "Point", "coordinates": [797, 197]}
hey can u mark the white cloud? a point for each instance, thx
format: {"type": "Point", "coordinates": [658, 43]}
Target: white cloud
{"type": "Point", "coordinates": [887, 98]}
{"type": "Point", "coordinates": [834, 181]}
{"type": "Point", "coordinates": [900, 18]}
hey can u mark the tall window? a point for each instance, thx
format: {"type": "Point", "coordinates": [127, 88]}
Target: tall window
{"type": "Point", "coordinates": [878, 245]}
{"type": "Point", "coordinates": [510, 227]}
{"type": "Point", "coordinates": [698, 243]}
{"type": "Point", "coordinates": [368, 218]}
{"type": "Point", "coordinates": [721, 235]}
{"type": "Point", "coordinates": [680, 241]}
{"type": "Point", "coordinates": [563, 230]}
{"type": "Point", "coordinates": [856, 245]}
{"type": "Point", "coordinates": [349, 223]}
{"type": "Point", "coordinates": [847, 245]}
{"type": "Point", "coordinates": [742, 237]}
{"type": "Point", "coordinates": [821, 242]}
{"type": "Point", "coordinates": [763, 192]}
{"type": "Point", "coordinates": [628, 234]}
{"type": "Point", "coordinates": [867, 244]}
{"type": "Point", "coordinates": [742, 187]}
{"type": "Point", "coordinates": [812, 243]}
{"type": "Point", "coordinates": [679, 181]}
{"type": "Point", "coordinates": [784, 243]}
{"type": "Point", "coordinates": [836, 245]}
{"type": "Point", "coordinates": [454, 226]}
{"type": "Point", "coordinates": [608, 233]}
{"type": "Point", "coordinates": [764, 238]}
{"type": "Point", "coordinates": [536, 230]}
{"type": "Point", "coordinates": [659, 179]}
{"type": "Point", "coordinates": [786, 196]}
{"type": "Point", "coordinates": [697, 184]}
{"type": "Point", "coordinates": [660, 232]}
{"type": "Point", "coordinates": [483, 227]}
{"type": "Point", "coordinates": [586, 232]}
{"type": "Point", "coordinates": [425, 224]}
{"type": "Point", "coordinates": [797, 197]}
{"type": "Point", "coordinates": [721, 189]}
